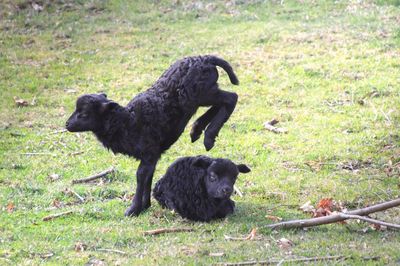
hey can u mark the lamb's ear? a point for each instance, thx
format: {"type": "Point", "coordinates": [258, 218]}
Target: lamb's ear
{"type": "Point", "coordinates": [243, 168]}
{"type": "Point", "coordinates": [107, 106]}
{"type": "Point", "coordinates": [202, 162]}
{"type": "Point", "coordinates": [103, 94]}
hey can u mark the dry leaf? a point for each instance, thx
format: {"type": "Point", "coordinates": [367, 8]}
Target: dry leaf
{"type": "Point", "coordinates": [307, 207]}
{"type": "Point", "coordinates": [320, 212]}
{"type": "Point", "coordinates": [326, 203]}
{"type": "Point", "coordinates": [273, 218]}
{"type": "Point", "coordinates": [284, 243]}
{"type": "Point", "coordinates": [58, 204]}
{"type": "Point", "coordinates": [270, 126]}
{"type": "Point", "coordinates": [10, 207]}
{"type": "Point", "coordinates": [61, 111]}
{"type": "Point", "coordinates": [327, 206]}
{"type": "Point", "coordinates": [188, 251]}
{"type": "Point", "coordinates": [37, 7]}
{"type": "Point", "coordinates": [20, 102]}
{"type": "Point", "coordinates": [378, 227]}
{"type": "Point", "coordinates": [54, 177]}
{"type": "Point", "coordinates": [79, 246]}
{"type": "Point", "coordinates": [216, 254]}
{"type": "Point", "coordinates": [251, 236]}
{"type": "Point", "coordinates": [69, 91]}
{"type": "Point", "coordinates": [127, 197]}
{"type": "Point", "coordinates": [95, 262]}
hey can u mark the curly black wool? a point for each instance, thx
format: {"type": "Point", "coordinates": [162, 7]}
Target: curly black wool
{"type": "Point", "coordinates": [199, 188]}
{"type": "Point", "coordinates": [155, 118]}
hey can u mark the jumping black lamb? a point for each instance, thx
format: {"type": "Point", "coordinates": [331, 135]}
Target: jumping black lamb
{"type": "Point", "coordinates": [153, 120]}
{"type": "Point", "coordinates": [199, 188]}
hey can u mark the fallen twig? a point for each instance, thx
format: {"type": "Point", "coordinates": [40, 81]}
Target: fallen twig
{"type": "Point", "coordinates": [251, 236]}
{"type": "Point", "coordinates": [280, 261]}
{"type": "Point", "coordinates": [53, 216]}
{"type": "Point", "coordinates": [59, 131]}
{"type": "Point", "coordinates": [75, 153]}
{"type": "Point", "coordinates": [370, 220]}
{"type": "Point", "coordinates": [68, 190]}
{"type": "Point", "coordinates": [38, 153]}
{"type": "Point", "coordinates": [236, 189]}
{"type": "Point", "coordinates": [111, 250]}
{"type": "Point", "coordinates": [167, 230]}
{"type": "Point", "coordinates": [336, 217]}
{"type": "Point", "coordinates": [93, 177]}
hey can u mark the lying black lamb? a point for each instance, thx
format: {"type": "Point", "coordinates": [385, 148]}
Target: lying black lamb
{"type": "Point", "coordinates": [199, 188]}
{"type": "Point", "coordinates": [154, 119]}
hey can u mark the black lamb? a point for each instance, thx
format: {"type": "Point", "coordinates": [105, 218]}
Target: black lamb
{"type": "Point", "coordinates": [199, 188]}
{"type": "Point", "coordinates": [154, 119]}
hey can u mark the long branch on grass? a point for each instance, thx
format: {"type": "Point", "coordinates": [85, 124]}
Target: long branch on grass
{"type": "Point", "coordinates": [53, 216]}
{"type": "Point", "coordinates": [167, 230]}
{"type": "Point", "coordinates": [279, 261]}
{"type": "Point", "coordinates": [93, 177]}
{"type": "Point", "coordinates": [337, 217]}
{"type": "Point", "coordinates": [370, 220]}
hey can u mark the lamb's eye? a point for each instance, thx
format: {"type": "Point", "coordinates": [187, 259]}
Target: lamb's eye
{"type": "Point", "coordinates": [82, 116]}
{"type": "Point", "coordinates": [213, 177]}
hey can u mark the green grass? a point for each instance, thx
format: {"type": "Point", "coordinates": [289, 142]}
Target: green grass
{"type": "Point", "coordinates": [327, 70]}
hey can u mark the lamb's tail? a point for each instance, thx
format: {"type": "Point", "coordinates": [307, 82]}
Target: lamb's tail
{"type": "Point", "coordinates": [226, 66]}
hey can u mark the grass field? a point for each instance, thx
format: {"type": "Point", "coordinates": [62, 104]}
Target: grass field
{"type": "Point", "coordinates": [329, 71]}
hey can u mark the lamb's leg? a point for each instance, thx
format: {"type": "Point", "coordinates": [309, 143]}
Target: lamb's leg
{"type": "Point", "coordinates": [201, 123]}
{"type": "Point", "coordinates": [144, 175]}
{"type": "Point", "coordinates": [228, 100]}
{"type": "Point", "coordinates": [147, 190]}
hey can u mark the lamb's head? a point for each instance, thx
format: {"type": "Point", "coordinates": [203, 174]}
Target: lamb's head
{"type": "Point", "coordinates": [221, 175]}
{"type": "Point", "coordinates": [89, 113]}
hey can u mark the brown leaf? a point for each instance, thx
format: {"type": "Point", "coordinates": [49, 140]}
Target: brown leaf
{"type": "Point", "coordinates": [320, 212]}
{"type": "Point", "coordinates": [273, 218]}
{"type": "Point", "coordinates": [10, 207]}
{"type": "Point", "coordinates": [252, 234]}
{"type": "Point", "coordinates": [20, 102]}
{"type": "Point", "coordinates": [378, 227]}
{"type": "Point", "coordinates": [79, 247]}
{"type": "Point", "coordinates": [326, 203]}
{"type": "Point", "coordinates": [284, 243]}
{"type": "Point", "coordinates": [58, 204]}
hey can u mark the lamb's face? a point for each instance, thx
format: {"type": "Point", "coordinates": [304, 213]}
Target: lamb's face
{"type": "Point", "coordinates": [88, 113]}
{"type": "Point", "coordinates": [221, 176]}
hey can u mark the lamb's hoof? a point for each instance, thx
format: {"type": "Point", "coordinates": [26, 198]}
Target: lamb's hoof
{"type": "Point", "coordinates": [195, 134]}
{"type": "Point", "coordinates": [145, 205]}
{"type": "Point", "coordinates": [132, 211]}
{"type": "Point", "coordinates": [208, 143]}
